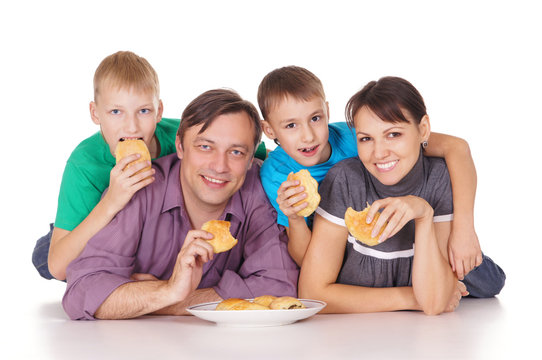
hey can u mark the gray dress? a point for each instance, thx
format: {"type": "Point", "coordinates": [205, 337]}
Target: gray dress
{"type": "Point", "coordinates": [349, 184]}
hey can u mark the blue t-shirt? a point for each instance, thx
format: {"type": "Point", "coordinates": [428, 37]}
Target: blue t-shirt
{"type": "Point", "coordinates": [279, 164]}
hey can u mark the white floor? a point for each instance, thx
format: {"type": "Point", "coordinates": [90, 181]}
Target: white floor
{"type": "Point", "coordinates": [35, 327]}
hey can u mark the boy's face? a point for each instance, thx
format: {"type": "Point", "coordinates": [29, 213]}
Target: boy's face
{"type": "Point", "coordinates": [301, 128]}
{"type": "Point", "coordinates": [127, 114]}
{"type": "Point", "coordinates": [214, 163]}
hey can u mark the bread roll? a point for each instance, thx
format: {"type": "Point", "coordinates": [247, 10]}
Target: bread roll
{"type": "Point", "coordinates": [286, 303]}
{"type": "Point", "coordinates": [358, 227]}
{"type": "Point", "coordinates": [311, 188]}
{"type": "Point", "coordinates": [133, 146]}
{"type": "Point", "coordinates": [223, 240]}
{"type": "Point", "coordinates": [264, 300]}
{"type": "Point", "coordinates": [227, 304]}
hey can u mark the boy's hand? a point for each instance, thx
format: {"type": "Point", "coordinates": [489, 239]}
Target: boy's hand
{"type": "Point", "coordinates": [289, 194]}
{"type": "Point", "coordinates": [464, 250]}
{"type": "Point", "coordinates": [124, 182]}
{"type": "Point", "coordinates": [188, 269]}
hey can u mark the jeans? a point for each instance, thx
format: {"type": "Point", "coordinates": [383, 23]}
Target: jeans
{"type": "Point", "coordinates": [485, 280]}
{"type": "Point", "coordinates": [40, 254]}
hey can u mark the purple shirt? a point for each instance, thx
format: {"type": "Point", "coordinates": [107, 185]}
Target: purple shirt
{"type": "Point", "coordinates": [147, 235]}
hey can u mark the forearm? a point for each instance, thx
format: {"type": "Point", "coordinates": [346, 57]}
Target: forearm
{"type": "Point", "coordinates": [136, 298]}
{"type": "Point", "coordinates": [299, 237]}
{"type": "Point", "coordinates": [342, 298]}
{"type": "Point", "coordinates": [433, 281]}
{"type": "Point", "coordinates": [67, 245]}
{"type": "Point", "coordinates": [197, 297]}
{"type": "Point", "coordinates": [461, 167]}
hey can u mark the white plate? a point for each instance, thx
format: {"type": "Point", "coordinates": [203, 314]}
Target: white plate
{"type": "Point", "coordinates": [255, 318]}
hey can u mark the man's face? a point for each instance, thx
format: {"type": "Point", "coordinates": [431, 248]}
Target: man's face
{"type": "Point", "coordinates": [127, 114]}
{"type": "Point", "coordinates": [214, 163]}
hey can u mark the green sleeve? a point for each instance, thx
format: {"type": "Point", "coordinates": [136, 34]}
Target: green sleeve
{"type": "Point", "coordinates": [261, 151]}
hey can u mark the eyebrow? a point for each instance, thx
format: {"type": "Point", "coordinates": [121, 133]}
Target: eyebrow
{"type": "Point", "coordinates": [383, 132]}
{"type": "Point", "coordinates": [203, 138]}
{"type": "Point", "coordinates": [319, 111]}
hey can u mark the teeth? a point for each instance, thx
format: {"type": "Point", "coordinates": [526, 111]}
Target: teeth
{"type": "Point", "coordinates": [213, 180]}
{"type": "Point", "coordinates": [386, 165]}
{"type": "Point", "coordinates": [308, 149]}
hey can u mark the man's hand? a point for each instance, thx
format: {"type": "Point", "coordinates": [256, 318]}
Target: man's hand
{"type": "Point", "coordinates": [463, 250]}
{"type": "Point", "coordinates": [124, 182]}
{"type": "Point", "coordinates": [289, 194]}
{"type": "Point", "coordinates": [188, 269]}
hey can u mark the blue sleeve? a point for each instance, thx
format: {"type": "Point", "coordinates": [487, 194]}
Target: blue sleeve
{"type": "Point", "coordinates": [271, 179]}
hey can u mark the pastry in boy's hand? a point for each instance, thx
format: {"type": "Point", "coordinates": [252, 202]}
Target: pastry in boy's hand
{"type": "Point", "coordinates": [286, 303]}
{"type": "Point", "coordinates": [222, 240]}
{"type": "Point", "coordinates": [358, 227]}
{"type": "Point", "coordinates": [311, 188]}
{"type": "Point", "coordinates": [133, 146]}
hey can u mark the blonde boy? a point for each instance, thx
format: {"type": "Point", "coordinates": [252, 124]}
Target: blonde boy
{"type": "Point", "coordinates": [296, 116]}
{"type": "Point", "coordinates": [126, 105]}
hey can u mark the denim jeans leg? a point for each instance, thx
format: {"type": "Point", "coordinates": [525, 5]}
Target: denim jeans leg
{"type": "Point", "coordinates": [486, 280]}
{"type": "Point", "coordinates": [40, 254]}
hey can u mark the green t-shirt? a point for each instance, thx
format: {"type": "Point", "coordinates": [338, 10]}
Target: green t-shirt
{"type": "Point", "coordinates": [87, 171]}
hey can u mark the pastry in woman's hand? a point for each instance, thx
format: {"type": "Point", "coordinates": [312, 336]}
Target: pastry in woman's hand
{"type": "Point", "coordinates": [358, 227]}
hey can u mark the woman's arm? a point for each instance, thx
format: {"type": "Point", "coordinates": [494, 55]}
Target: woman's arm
{"type": "Point", "coordinates": [321, 266]}
{"type": "Point", "coordinates": [463, 246]}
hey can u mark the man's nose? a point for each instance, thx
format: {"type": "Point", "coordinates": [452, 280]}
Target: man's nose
{"type": "Point", "coordinates": [220, 162]}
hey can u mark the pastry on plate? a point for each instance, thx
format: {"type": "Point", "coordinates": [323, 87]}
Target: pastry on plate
{"type": "Point", "coordinates": [286, 302]}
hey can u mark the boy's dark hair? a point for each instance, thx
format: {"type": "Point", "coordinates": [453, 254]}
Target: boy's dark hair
{"type": "Point", "coordinates": [293, 81]}
{"type": "Point", "coordinates": [387, 98]}
{"type": "Point", "coordinates": [211, 104]}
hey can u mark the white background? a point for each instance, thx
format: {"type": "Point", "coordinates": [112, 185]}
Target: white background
{"type": "Point", "coordinates": [477, 64]}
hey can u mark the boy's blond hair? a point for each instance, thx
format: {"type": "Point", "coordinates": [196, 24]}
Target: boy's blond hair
{"type": "Point", "coordinates": [124, 69]}
{"type": "Point", "coordinates": [293, 81]}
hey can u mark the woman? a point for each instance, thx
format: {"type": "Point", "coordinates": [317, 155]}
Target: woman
{"type": "Point", "coordinates": [413, 193]}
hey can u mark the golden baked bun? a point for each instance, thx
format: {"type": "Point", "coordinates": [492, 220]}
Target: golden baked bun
{"type": "Point", "coordinates": [223, 240]}
{"type": "Point", "coordinates": [133, 146]}
{"type": "Point", "coordinates": [286, 303]}
{"type": "Point", "coordinates": [264, 300]}
{"type": "Point", "coordinates": [311, 188]}
{"type": "Point", "coordinates": [358, 227]}
{"type": "Point", "coordinates": [247, 305]}
{"type": "Point", "coordinates": [227, 304]}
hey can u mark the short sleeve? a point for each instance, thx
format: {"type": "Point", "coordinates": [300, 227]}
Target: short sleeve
{"type": "Point", "coordinates": [335, 194]}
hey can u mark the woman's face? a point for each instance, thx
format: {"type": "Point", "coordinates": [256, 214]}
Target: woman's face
{"type": "Point", "coordinates": [389, 150]}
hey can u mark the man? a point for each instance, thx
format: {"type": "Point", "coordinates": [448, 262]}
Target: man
{"type": "Point", "coordinates": [152, 259]}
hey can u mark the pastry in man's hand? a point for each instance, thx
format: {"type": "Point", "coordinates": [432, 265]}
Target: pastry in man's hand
{"type": "Point", "coordinates": [286, 303]}
{"type": "Point", "coordinates": [133, 146]}
{"type": "Point", "coordinates": [222, 240]}
{"type": "Point", "coordinates": [311, 188]}
{"type": "Point", "coordinates": [358, 227]}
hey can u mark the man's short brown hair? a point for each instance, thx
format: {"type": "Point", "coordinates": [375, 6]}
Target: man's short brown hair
{"type": "Point", "coordinates": [211, 104]}
{"type": "Point", "coordinates": [293, 81]}
{"type": "Point", "coordinates": [124, 69]}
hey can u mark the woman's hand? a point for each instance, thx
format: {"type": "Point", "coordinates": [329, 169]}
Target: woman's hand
{"type": "Point", "coordinates": [289, 194]}
{"type": "Point", "coordinates": [397, 212]}
{"type": "Point", "coordinates": [463, 249]}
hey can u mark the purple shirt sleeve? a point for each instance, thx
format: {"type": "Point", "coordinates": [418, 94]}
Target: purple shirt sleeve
{"type": "Point", "coordinates": [106, 263]}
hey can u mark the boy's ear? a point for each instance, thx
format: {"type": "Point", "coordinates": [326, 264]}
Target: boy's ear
{"type": "Point", "coordinates": [327, 108]}
{"type": "Point", "coordinates": [93, 113]}
{"type": "Point", "coordinates": [160, 111]}
{"type": "Point", "coordinates": [268, 130]}
{"type": "Point", "coordinates": [425, 127]}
